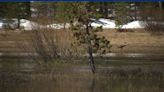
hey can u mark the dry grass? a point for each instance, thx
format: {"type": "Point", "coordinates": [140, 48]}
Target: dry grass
{"type": "Point", "coordinates": [138, 41]}
{"type": "Point", "coordinates": [11, 40]}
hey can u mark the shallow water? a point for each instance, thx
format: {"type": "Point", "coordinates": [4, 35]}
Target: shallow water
{"type": "Point", "coordinates": [21, 76]}
{"type": "Point", "coordinates": [83, 85]}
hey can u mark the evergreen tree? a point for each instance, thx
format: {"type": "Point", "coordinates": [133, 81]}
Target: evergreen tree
{"type": "Point", "coordinates": [85, 34]}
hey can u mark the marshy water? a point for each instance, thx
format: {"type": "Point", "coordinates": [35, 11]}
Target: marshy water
{"type": "Point", "coordinates": [126, 73]}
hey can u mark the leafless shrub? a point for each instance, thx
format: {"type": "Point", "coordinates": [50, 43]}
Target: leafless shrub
{"type": "Point", "coordinates": [155, 21]}
{"type": "Point", "coordinates": [49, 45]}
{"type": "Point", "coordinates": [155, 28]}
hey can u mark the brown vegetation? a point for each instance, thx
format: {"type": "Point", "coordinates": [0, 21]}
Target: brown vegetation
{"type": "Point", "coordinates": [138, 41]}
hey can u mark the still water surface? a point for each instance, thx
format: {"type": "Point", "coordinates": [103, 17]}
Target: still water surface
{"type": "Point", "coordinates": [17, 77]}
{"type": "Point", "coordinates": [83, 85]}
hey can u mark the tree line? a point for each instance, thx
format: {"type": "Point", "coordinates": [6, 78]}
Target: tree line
{"type": "Point", "coordinates": [59, 10]}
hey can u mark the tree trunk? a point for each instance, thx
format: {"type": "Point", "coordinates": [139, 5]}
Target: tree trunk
{"type": "Point", "coordinates": [64, 25]}
{"type": "Point", "coordinates": [18, 26]}
{"type": "Point", "coordinates": [91, 60]}
{"type": "Point", "coordinates": [135, 10]}
{"type": "Point", "coordinates": [160, 5]}
{"type": "Point", "coordinates": [160, 8]}
{"type": "Point", "coordinates": [28, 10]}
{"type": "Point", "coordinates": [101, 7]}
{"type": "Point", "coordinates": [105, 9]}
{"type": "Point", "coordinates": [90, 51]}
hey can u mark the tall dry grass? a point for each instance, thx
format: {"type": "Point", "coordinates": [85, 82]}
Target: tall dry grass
{"type": "Point", "coordinates": [48, 45]}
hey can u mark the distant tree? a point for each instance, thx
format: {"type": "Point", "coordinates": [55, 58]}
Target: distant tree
{"type": "Point", "coordinates": [15, 10]}
{"type": "Point", "coordinates": [23, 11]}
{"type": "Point", "coordinates": [62, 13]}
{"type": "Point", "coordinates": [153, 14]}
{"type": "Point", "coordinates": [151, 11]}
{"type": "Point", "coordinates": [104, 9]}
{"type": "Point", "coordinates": [43, 12]}
{"type": "Point", "coordinates": [121, 12]}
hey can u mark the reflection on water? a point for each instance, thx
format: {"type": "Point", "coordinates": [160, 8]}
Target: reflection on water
{"type": "Point", "coordinates": [82, 85]}
{"type": "Point", "coordinates": [23, 81]}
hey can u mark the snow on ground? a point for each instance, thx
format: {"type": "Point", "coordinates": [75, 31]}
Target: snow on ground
{"type": "Point", "coordinates": [7, 22]}
{"type": "Point", "coordinates": [1, 24]}
{"type": "Point", "coordinates": [109, 23]}
{"type": "Point", "coordinates": [29, 25]}
{"type": "Point", "coordinates": [25, 24]}
{"type": "Point", "coordinates": [105, 23]}
{"type": "Point", "coordinates": [58, 26]}
{"type": "Point", "coordinates": [134, 25]}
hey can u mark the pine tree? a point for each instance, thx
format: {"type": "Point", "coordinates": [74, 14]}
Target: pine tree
{"type": "Point", "coordinates": [85, 34]}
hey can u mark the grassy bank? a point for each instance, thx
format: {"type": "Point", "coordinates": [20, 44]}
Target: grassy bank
{"type": "Point", "coordinates": [138, 41]}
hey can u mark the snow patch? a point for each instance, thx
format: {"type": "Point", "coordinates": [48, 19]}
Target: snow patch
{"type": "Point", "coordinates": [134, 25]}
{"type": "Point", "coordinates": [105, 23]}
{"type": "Point", "coordinates": [29, 25]}
{"type": "Point", "coordinates": [1, 24]}
{"type": "Point", "coordinates": [102, 22]}
{"type": "Point", "coordinates": [58, 26]}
